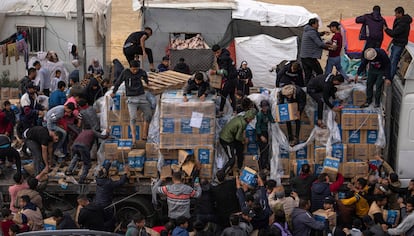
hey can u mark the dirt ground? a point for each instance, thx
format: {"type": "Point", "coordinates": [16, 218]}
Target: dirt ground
{"type": "Point", "coordinates": [125, 20]}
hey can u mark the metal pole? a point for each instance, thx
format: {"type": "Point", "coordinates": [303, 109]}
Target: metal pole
{"type": "Point", "coordinates": [80, 4]}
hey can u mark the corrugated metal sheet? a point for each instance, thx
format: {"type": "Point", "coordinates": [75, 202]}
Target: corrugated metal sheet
{"type": "Point", "coordinates": [62, 8]}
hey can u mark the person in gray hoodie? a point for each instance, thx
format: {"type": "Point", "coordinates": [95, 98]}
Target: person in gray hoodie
{"type": "Point", "coordinates": [406, 227]}
{"type": "Point", "coordinates": [137, 226]}
{"type": "Point", "coordinates": [303, 221]}
{"type": "Point", "coordinates": [311, 49]}
{"type": "Point", "coordinates": [178, 196]}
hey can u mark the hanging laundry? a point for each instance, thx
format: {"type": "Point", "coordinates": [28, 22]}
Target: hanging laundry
{"type": "Point", "coordinates": [3, 51]}
{"type": "Point", "coordinates": [12, 51]}
{"type": "Point", "coordinates": [23, 49]}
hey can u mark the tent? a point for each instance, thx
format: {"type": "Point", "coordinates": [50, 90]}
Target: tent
{"type": "Point", "coordinates": [354, 45]}
{"type": "Point", "coordinates": [242, 24]}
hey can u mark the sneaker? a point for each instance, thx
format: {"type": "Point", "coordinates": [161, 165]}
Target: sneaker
{"type": "Point", "coordinates": [59, 154]}
{"type": "Point", "coordinates": [365, 105]}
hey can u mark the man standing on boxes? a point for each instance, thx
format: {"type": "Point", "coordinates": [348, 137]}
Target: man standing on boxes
{"type": "Point", "coordinates": [293, 94]}
{"type": "Point", "coordinates": [228, 72]}
{"type": "Point", "coordinates": [321, 89]}
{"type": "Point", "coordinates": [136, 96]}
{"type": "Point", "coordinates": [232, 139]}
{"type": "Point", "coordinates": [379, 68]}
{"type": "Point", "coordinates": [264, 117]}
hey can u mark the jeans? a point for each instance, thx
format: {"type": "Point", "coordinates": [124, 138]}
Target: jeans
{"type": "Point", "coordinates": [335, 61]}
{"type": "Point", "coordinates": [36, 150]}
{"type": "Point", "coordinates": [374, 78]}
{"type": "Point", "coordinates": [81, 153]}
{"type": "Point", "coordinates": [395, 58]}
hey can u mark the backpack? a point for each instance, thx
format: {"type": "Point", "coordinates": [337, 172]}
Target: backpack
{"type": "Point", "coordinates": [283, 230]}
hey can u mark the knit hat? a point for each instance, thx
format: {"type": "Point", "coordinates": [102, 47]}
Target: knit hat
{"type": "Point", "coordinates": [288, 90]}
{"type": "Point", "coordinates": [250, 114]}
{"type": "Point", "coordinates": [370, 54]}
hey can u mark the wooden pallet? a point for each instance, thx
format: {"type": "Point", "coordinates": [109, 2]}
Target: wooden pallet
{"type": "Point", "coordinates": [160, 82]}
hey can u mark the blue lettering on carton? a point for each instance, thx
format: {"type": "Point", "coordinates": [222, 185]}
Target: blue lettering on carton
{"type": "Point", "coordinates": [204, 156]}
{"type": "Point", "coordinates": [354, 136]}
{"type": "Point", "coordinates": [117, 102]}
{"type": "Point", "coordinates": [205, 126]}
{"type": "Point", "coordinates": [252, 148]}
{"type": "Point", "coordinates": [318, 169]}
{"type": "Point", "coordinates": [136, 132]}
{"type": "Point", "coordinates": [248, 178]}
{"type": "Point", "coordinates": [392, 217]}
{"type": "Point", "coordinates": [168, 125]}
{"type": "Point", "coordinates": [125, 143]}
{"type": "Point", "coordinates": [372, 136]}
{"type": "Point", "coordinates": [251, 134]}
{"type": "Point", "coordinates": [116, 131]}
{"type": "Point", "coordinates": [105, 162]}
{"type": "Point", "coordinates": [131, 162]}
{"type": "Point", "coordinates": [319, 218]}
{"type": "Point", "coordinates": [185, 126]}
{"type": "Point", "coordinates": [139, 162]}
{"type": "Point", "coordinates": [331, 163]}
{"type": "Point", "coordinates": [338, 151]}
{"type": "Point", "coordinates": [121, 167]}
{"type": "Point", "coordinates": [284, 112]}
{"type": "Point", "coordinates": [302, 153]}
{"type": "Point", "coordinates": [283, 153]}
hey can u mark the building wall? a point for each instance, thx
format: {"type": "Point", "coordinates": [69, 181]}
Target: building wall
{"type": "Point", "coordinates": [58, 32]}
{"type": "Point", "coordinates": [212, 25]}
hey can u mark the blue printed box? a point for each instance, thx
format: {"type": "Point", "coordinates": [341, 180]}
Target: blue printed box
{"type": "Point", "coordinates": [204, 155]}
{"type": "Point", "coordinates": [185, 127]}
{"type": "Point", "coordinates": [124, 143]}
{"type": "Point", "coordinates": [284, 153]}
{"type": "Point", "coordinates": [205, 126]}
{"type": "Point", "coordinates": [339, 151]}
{"type": "Point", "coordinates": [168, 125]}
{"type": "Point", "coordinates": [351, 136]}
{"type": "Point", "coordinates": [391, 216]}
{"type": "Point", "coordinates": [318, 169]}
{"type": "Point", "coordinates": [297, 165]}
{"type": "Point", "coordinates": [372, 136]}
{"type": "Point", "coordinates": [116, 131]}
{"type": "Point", "coordinates": [248, 176]}
{"type": "Point", "coordinates": [286, 112]}
{"type": "Point", "coordinates": [117, 102]}
{"type": "Point", "coordinates": [252, 149]}
{"type": "Point", "coordinates": [136, 159]}
{"type": "Point", "coordinates": [331, 164]}
{"type": "Point", "coordinates": [251, 134]}
{"type": "Point", "coordinates": [302, 153]}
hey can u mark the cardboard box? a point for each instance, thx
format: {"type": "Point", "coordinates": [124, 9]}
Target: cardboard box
{"type": "Point", "coordinates": [169, 154]}
{"type": "Point", "coordinates": [370, 136]}
{"type": "Point", "coordinates": [184, 155]}
{"type": "Point", "coordinates": [352, 169]}
{"type": "Point", "coordinates": [251, 134]}
{"type": "Point", "coordinates": [49, 224]}
{"type": "Point", "coordinates": [331, 165]}
{"type": "Point", "coordinates": [348, 119]}
{"type": "Point", "coordinates": [286, 112]}
{"type": "Point", "coordinates": [351, 136]}
{"type": "Point", "coordinates": [305, 131]}
{"type": "Point", "coordinates": [188, 167]}
{"type": "Point", "coordinates": [138, 131]}
{"type": "Point", "coordinates": [361, 120]}
{"type": "Point", "coordinates": [283, 167]}
{"type": "Point", "coordinates": [320, 154]}
{"type": "Point", "coordinates": [321, 137]}
{"type": "Point", "coordinates": [251, 161]}
{"type": "Point", "coordinates": [340, 151]}
{"type": "Point", "coordinates": [284, 153]}
{"type": "Point", "coordinates": [373, 123]}
{"type": "Point", "coordinates": [361, 152]}
{"type": "Point", "coordinates": [114, 108]}
{"type": "Point", "coordinates": [359, 97]}
{"type": "Point", "coordinates": [248, 176]}
{"type": "Point", "coordinates": [215, 81]}
{"type": "Point", "coordinates": [166, 172]}
{"type": "Point", "coordinates": [152, 150]}
{"type": "Point", "coordinates": [204, 154]}
{"type": "Point", "coordinates": [150, 168]}
{"type": "Point", "coordinates": [309, 118]}
{"type": "Point", "coordinates": [136, 159]}
{"type": "Point", "coordinates": [373, 150]}
{"type": "Point", "coordinates": [206, 171]}
{"type": "Point", "coordinates": [323, 215]}
{"type": "Point", "coordinates": [302, 153]}
{"type": "Point", "coordinates": [350, 152]}
{"type": "Point", "coordinates": [116, 130]}
{"type": "Point", "coordinates": [5, 93]}
{"type": "Point", "coordinates": [167, 126]}
{"type": "Point", "coordinates": [391, 217]}
{"type": "Point", "coordinates": [251, 148]}
{"type": "Point", "coordinates": [337, 117]}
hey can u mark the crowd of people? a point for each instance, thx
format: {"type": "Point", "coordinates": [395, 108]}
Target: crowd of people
{"type": "Point", "coordinates": [67, 128]}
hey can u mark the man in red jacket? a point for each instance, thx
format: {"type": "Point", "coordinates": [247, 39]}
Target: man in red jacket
{"type": "Point", "coordinates": [322, 188]}
{"type": "Point", "coordinates": [6, 126]}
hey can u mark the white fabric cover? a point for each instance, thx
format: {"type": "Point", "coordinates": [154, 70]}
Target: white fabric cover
{"type": "Point", "coordinates": [262, 52]}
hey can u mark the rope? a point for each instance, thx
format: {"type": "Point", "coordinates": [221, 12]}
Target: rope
{"type": "Point", "coordinates": [123, 199]}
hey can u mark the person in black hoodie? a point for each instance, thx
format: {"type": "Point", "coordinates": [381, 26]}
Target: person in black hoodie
{"type": "Point", "coordinates": [321, 88]}
{"type": "Point", "coordinates": [399, 33]}
{"type": "Point", "coordinates": [182, 67]}
{"type": "Point", "coordinates": [372, 28]}
{"type": "Point", "coordinates": [63, 221]}
{"type": "Point", "coordinates": [291, 73]}
{"type": "Point", "coordinates": [291, 94]}
{"type": "Point", "coordinates": [105, 193]}
{"type": "Point", "coordinates": [199, 84]}
{"type": "Point", "coordinates": [302, 184]}
{"type": "Point", "coordinates": [92, 217]}
{"type": "Point", "coordinates": [137, 99]}
{"type": "Point", "coordinates": [204, 209]}
{"type": "Point", "coordinates": [228, 71]}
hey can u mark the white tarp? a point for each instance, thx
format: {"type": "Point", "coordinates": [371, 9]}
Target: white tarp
{"type": "Point", "coordinates": [272, 14]}
{"type": "Point", "coordinates": [262, 52]}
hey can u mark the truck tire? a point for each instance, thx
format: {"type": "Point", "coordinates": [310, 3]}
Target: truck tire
{"type": "Point", "coordinates": [126, 209]}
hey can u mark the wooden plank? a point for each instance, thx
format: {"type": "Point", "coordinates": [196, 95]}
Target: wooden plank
{"type": "Point", "coordinates": [169, 78]}
{"type": "Point", "coordinates": [178, 75]}
{"type": "Point", "coordinates": [158, 82]}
